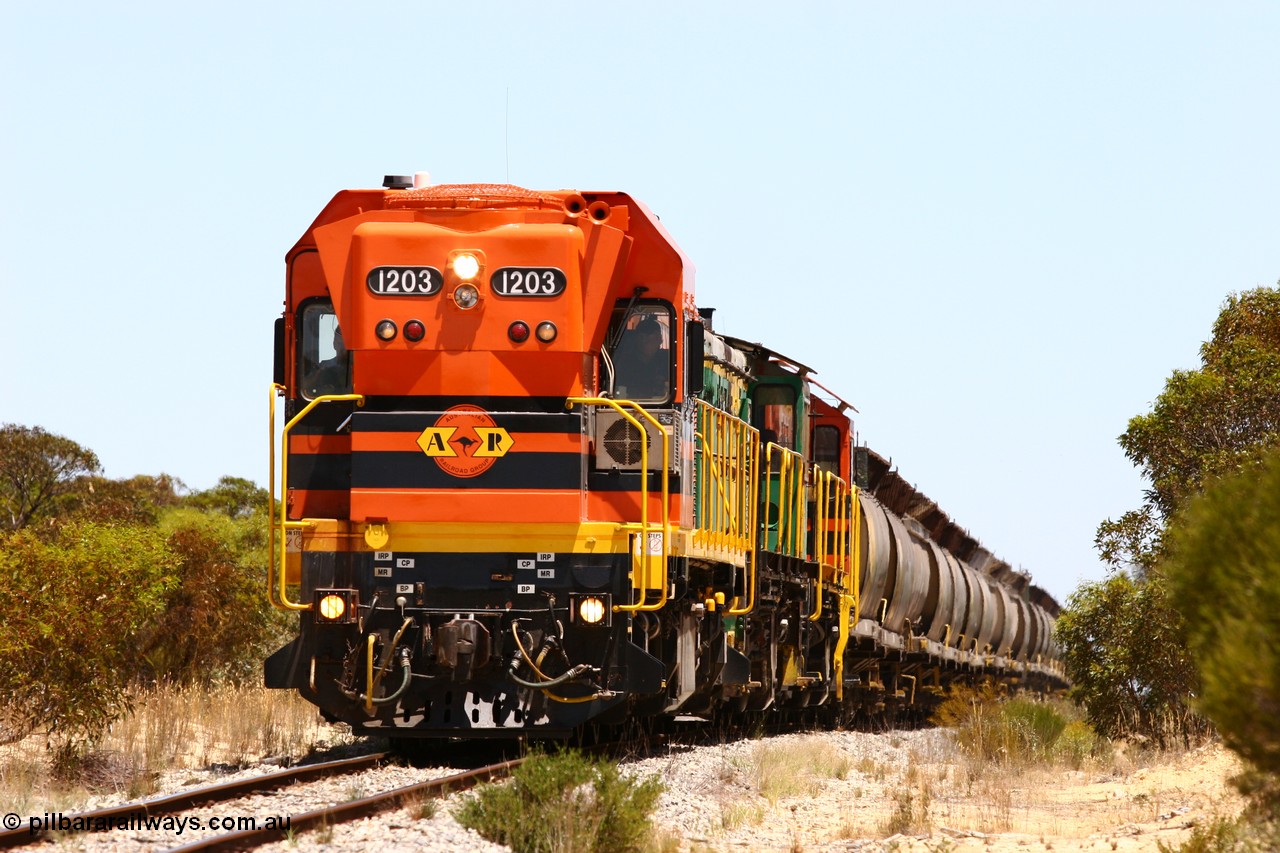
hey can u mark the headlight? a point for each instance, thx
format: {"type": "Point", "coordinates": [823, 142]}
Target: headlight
{"type": "Point", "coordinates": [465, 266]}
{"type": "Point", "coordinates": [332, 607]}
{"type": "Point", "coordinates": [465, 296]}
{"type": "Point", "coordinates": [591, 609]}
{"type": "Point", "coordinates": [336, 606]}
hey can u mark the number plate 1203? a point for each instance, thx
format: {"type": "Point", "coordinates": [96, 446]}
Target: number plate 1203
{"type": "Point", "coordinates": [528, 281]}
{"type": "Point", "coordinates": [405, 281]}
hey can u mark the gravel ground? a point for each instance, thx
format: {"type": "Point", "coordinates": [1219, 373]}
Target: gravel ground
{"type": "Point", "coordinates": [905, 792]}
{"type": "Point", "coordinates": [832, 791]}
{"type": "Point", "coordinates": [714, 798]}
{"type": "Point", "coordinates": [711, 800]}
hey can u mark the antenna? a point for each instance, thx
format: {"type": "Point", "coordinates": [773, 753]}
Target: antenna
{"type": "Point", "coordinates": [506, 134]}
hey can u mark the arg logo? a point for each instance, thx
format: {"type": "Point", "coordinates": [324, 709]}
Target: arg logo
{"type": "Point", "coordinates": [465, 442]}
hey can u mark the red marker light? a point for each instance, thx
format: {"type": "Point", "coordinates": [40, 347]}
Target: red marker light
{"type": "Point", "coordinates": [518, 332]}
{"type": "Point", "coordinates": [414, 330]}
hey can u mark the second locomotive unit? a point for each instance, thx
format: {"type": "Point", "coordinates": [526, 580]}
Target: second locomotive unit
{"type": "Point", "coordinates": [526, 487]}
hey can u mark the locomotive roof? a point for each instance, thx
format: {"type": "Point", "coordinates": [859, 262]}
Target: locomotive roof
{"type": "Point", "coordinates": [756, 350]}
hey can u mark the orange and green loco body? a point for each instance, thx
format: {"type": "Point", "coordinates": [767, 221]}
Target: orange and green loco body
{"type": "Point", "coordinates": [525, 487]}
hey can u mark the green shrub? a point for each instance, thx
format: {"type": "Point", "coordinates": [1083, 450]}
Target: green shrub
{"type": "Point", "coordinates": [1123, 647]}
{"type": "Point", "coordinates": [1018, 731]}
{"type": "Point", "coordinates": [1077, 743]}
{"type": "Point", "coordinates": [564, 803]}
{"type": "Point", "coordinates": [76, 600]}
{"type": "Point", "coordinates": [216, 623]}
{"type": "Point", "coordinates": [1224, 575]}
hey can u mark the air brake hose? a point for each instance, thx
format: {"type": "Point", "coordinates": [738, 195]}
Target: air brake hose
{"type": "Point", "coordinates": [406, 669]}
{"type": "Point", "coordinates": [577, 672]}
{"type": "Point", "coordinates": [573, 673]}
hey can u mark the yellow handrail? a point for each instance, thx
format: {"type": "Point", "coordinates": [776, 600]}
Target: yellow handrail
{"type": "Point", "coordinates": [829, 488]}
{"type": "Point", "coordinates": [821, 482]}
{"type": "Point", "coordinates": [750, 567]}
{"type": "Point", "coordinates": [285, 524]}
{"type": "Point", "coordinates": [616, 405]}
{"type": "Point", "coordinates": [727, 497]}
{"type": "Point", "coordinates": [711, 520]}
{"type": "Point", "coordinates": [849, 602]}
{"type": "Point", "coordinates": [784, 492]}
{"type": "Point", "coordinates": [790, 504]}
{"type": "Point", "coordinates": [727, 444]}
{"type": "Point", "coordinates": [276, 388]}
{"type": "Point", "coordinates": [751, 467]}
{"type": "Point", "coordinates": [855, 524]}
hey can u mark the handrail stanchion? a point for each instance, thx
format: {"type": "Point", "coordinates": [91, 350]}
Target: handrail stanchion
{"type": "Point", "coordinates": [276, 388]}
{"type": "Point", "coordinates": [616, 405]}
{"type": "Point", "coordinates": [751, 484]}
{"type": "Point", "coordinates": [285, 524]}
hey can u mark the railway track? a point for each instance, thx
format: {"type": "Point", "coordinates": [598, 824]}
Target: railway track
{"type": "Point", "coordinates": [131, 813]}
{"type": "Point", "coordinates": [161, 823]}
{"type": "Point", "coordinates": [162, 815]}
{"type": "Point", "coordinates": [343, 812]}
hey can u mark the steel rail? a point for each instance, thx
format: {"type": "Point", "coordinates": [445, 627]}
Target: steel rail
{"type": "Point", "coordinates": [210, 794]}
{"type": "Point", "coordinates": [353, 810]}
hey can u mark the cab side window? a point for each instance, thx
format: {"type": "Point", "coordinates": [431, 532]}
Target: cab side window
{"type": "Point", "coordinates": [826, 448]}
{"type": "Point", "coordinates": [775, 414]}
{"type": "Point", "coordinates": [642, 357]}
{"type": "Point", "coordinates": [324, 362]}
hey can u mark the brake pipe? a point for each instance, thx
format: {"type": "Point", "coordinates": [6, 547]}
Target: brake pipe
{"type": "Point", "coordinates": [573, 674]}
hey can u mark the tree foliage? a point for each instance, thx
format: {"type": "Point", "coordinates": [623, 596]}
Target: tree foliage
{"type": "Point", "coordinates": [215, 624]}
{"type": "Point", "coordinates": [136, 500]}
{"type": "Point", "coordinates": [1123, 639]}
{"type": "Point", "coordinates": [1224, 573]}
{"type": "Point", "coordinates": [1123, 650]}
{"type": "Point", "coordinates": [37, 471]}
{"type": "Point", "coordinates": [129, 581]}
{"type": "Point", "coordinates": [234, 497]}
{"type": "Point", "coordinates": [1220, 418]}
{"type": "Point", "coordinates": [77, 599]}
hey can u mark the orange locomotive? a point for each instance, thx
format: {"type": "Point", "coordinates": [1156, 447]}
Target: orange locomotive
{"type": "Point", "coordinates": [527, 488]}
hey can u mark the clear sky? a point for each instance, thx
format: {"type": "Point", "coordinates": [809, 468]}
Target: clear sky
{"type": "Point", "coordinates": [995, 228]}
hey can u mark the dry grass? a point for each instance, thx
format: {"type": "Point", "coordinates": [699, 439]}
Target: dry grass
{"type": "Point", "coordinates": [664, 841]}
{"type": "Point", "coordinates": [994, 795]}
{"type": "Point", "coordinates": [797, 768]}
{"type": "Point", "coordinates": [778, 771]}
{"type": "Point", "coordinates": [170, 729]}
{"type": "Point", "coordinates": [734, 815]}
{"type": "Point", "coordinates": [912, 799]}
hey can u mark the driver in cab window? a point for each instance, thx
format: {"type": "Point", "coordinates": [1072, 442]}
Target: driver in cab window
{"type": "Point", "coordinates": [643, 365]}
